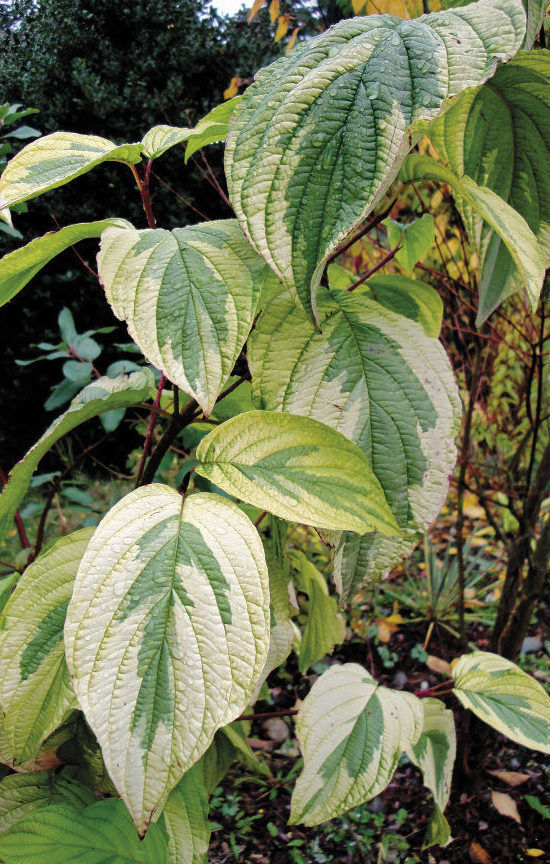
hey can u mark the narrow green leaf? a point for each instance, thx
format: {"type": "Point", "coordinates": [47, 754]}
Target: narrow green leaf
{"type": "Point", "coordinates": [352, 733]}
{"type": "Point", "coordinates": [505, 697]}
{"type": "Point", "coordinates": [20, 794]}
{"type": "Point", "coordinates": [56, 159]}
{"type": "Point", "coordinates": [415, 239]}
{"type": "Point", "coordinates": [18, 267]}
{"type": "Point", "coordinates": [185, 818]}
{"type": "Point", "coordinates": [499, 135]}
{"type": "Point", "coordinates": [507, 223]}
{"type": "Point", "coordinates": [35, 688]}
{"type": "Point", "coordinates": [166, 633]}
{"type": "Point", "coordinates": [408, 297]}
{"type": "Point", "coordinates": [325, 626]}
{"type": "Point", "coordinates": [378, 379]}
{"type": "Point", "coordinates": [99, 396]}
{"type": "Point", "coordinates": [99, 834]}
{"type": "Point", "coordinates": [322, 133]}
{"type": "Point", "coordinates": [296, 468]}
{"type": "Point", "coordinates": [434, 753]}
{"type": "Point", "coordinates": [189, 297]}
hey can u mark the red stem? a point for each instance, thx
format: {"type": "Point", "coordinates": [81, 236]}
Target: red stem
{"type": "Point", "coordinates": [152, 419]}
{"type": "Point", "coordinates": [23, 539]}
{"type": "Point", "coordinates": [391, 254]}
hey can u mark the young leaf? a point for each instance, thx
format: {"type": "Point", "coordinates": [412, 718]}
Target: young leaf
{"type": "Point", "coordinates": [415, 238]}
{"type": "Point", "coordinates": [57, 159]}
{"type": "Point", "coordinates": [408, 297]}
{"type": "Point", "coordinates": [99, 834]}
{"type": "Point", "coordinates": [351, 733]}
{"type": "Point", "coordinates": [189, 297]}
{"type": "Point", "coordinates": [212, 128]}
{"type": "Point", "coordinates": [35, 688]}
{"type": "Point", "coordinates": [325, 626]}
{"type": "Point", "coordinates": [20, 794]}
{"type": "Point", "coordinates": [322, 133]}
{"type": "Point", "coordinates": [505, 697]}
{"type": "Point", "coordinates": [99, 396]}
{"type": "Point", "coordinates": [377, 378]}
{"type": "Point", "coordinates": [18, 267]}
{"type": "Point", "coordinates": [296, 468]}
{"type": "Point", "coordinates": [166, 633]}
{"type": "Point", "coordinates": [434, 753]}
{"type": "Point", "coordinates": [499, 136]}
{"type": "Point", "coordinates": [185, 818]}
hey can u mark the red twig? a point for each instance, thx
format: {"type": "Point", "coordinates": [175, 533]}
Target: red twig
{"type": "Point", "coordinates": [391, 254]}
{"type": "Point", "coordinates": [150, 428]}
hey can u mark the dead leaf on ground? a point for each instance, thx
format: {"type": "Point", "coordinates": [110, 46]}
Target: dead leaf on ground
{"type": "Point", "coordinates": [276, 729]}
{"type": "Point", "coordinates": [478, 854]}
{"type": "Point", "coordinates": [535, 853]}
{"type": "Point", "coordinates": [511, 778]}
{"type": "Point", "coordinates": [387, 626]}
{"type": "Point", "coordinates": [436, 664]}
{"type": "Point", "coordinates": [505, 805]}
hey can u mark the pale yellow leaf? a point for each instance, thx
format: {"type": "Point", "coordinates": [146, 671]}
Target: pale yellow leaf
{"type": "Point", "coordinates": [535, 853]}
{"type": "Point", "coordinates": [511, 778]}
{"type": "Point", "coordinates": [274, 10]}
{"type": "Point", "coordinates": [436, 664]}
{"type": "Point", "coordinates": [256, 6]}
{"type": "Point", "coordinates": [292, 40]}
{"type": "Point", "coordinates": [358, 5]}
{"type": "Point", "coordinates": [233, 88]}
{"type": "Point", "coordinates": [282, 27]}
{"type": "Point", "coordinates": [505, 805]}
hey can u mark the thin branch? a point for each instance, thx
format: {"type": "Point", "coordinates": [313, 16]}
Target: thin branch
{"type": "Point", "coordinates": [365, 230]}
{"type": "Point", "coordinates": [150, 428]}
{"type": "Point", "coordinates": [391, 254]}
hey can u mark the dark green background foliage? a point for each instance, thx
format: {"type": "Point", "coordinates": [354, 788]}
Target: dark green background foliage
{"type": "Point", "coordinates": [112, 68]}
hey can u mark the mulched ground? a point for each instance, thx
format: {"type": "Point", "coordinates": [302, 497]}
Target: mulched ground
{"type": "Point", "coordinates": [481, 834]}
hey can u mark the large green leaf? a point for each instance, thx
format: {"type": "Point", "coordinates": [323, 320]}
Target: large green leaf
{"type": "Point", "coordinates": [351, 733]}
{"type": "Point", "coordinates": [526, 255]}
{"type": "Point", "coordinates": [296, 468]}
{"type": "Point", "coordinates": [18, 267]}
{"type": "Point", "coordinates": [505, 697]}
{"type": "Point", "coordinates": [434, 753]}
{"type": "Point", "coordinates": [20, 794]}
{"type": "Point", "coordinates": [185, 818]}
{"type": "Point", "coordinates": [189, 297]}
{"type": "Point", "coordinates": [325, 626]}
{"type": "Point", "coordinates": [534, 9]}
{"type": "Point", "coordinates": [99, 396]}
{"type": "Point", "coordinates": [499, 135]}
{"type": "Point", "coordinates": [166, 633]}
{"type": "Point", "coordinates": [56, 159]}
{"type": "Point", "coordinates": [320, 136]}
{"type": "Point", "coordinates": [36, 695]}
{"type": "Point", "coordinates": [100, 834]}
{"type": "Point", "coordinates": [376, 377]}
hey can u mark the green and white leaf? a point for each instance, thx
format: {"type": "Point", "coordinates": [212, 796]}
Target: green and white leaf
{"type": "Point", "coordinates": [208, 130]}
{"type": "Point", "coordinates": [499, 136]}
{"type": "Point", "coordinates": [20, 794]}
{"type": "Point", "coordinates": [434, 753]}
{"type": "Point", "coordinates": [185, 818]}
{"type": "Point", "coordinates": [377, 378]}
{"type": "Point", "coordinates": [189, 297]}
{"type": "Point", "coordinates": [505, 697]}
{"type": "Point", "coordinates": [296, 468]}
{"type": "Point", "coordinates": [325, 626]}
{"type": "Point", "coordinates": [99, 396]}
{"type": "Point", "coordinates": [352, 733]}
{"type": "Point", "coordinates": [19, 267]}
{"type": "Point", "coordinates": [415, 239]}
{"type": "Point", "coordinates": [536, 10]}
{"type": "Point", "coordinates": [281, 632]}
{"type": "Point", "coordinates": [512, 229]}
{"type": "Point", "coordinates": [56, 159]}
{"type": "Point", "coordinates": [166, 634]}
{"type": "Point", "coordinates": [320, 136]}
{"type": "Point", "coordinates": [408, 297]}
{"type": "Point", "coordinates": [36, 694]}
{"type": "Point", "coordinates": [99, 834]}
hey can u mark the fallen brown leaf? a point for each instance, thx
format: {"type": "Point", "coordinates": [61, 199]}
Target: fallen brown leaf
{"type": "Point", "coordinates": [436, 664]}
{"type": "Point", "coordinates": [511, 778]}
{"type": "Point", "coordinates": [478, 854]}
{"type": "Point", "coordinates": [505, 805]}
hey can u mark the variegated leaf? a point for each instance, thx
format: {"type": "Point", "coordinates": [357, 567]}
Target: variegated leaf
{"type": "Point", "coordinates": [18, 267]}
{"type": "Point", "coordinates": [189, 297]}
{"type": "Point", "coordinates": [377, 378]}
{"type": "Point", "coordinates": [352, 733]}
{"type": "Point", "coordinates": [504, 696]}
{"type": "Point", "coordinates": [325, 626]}
{"type": "Point", "coordinates": [36, 694]}
{"type": "Point", "coordinates": [166, 634]}
{"type": "Point", "coordinates": [208, 130]}
{"type": "Point", "coordinates": [320, 136]}
{"type": "Point", "coordinates": [102, 395]}
{"type": "Point", "coordinates": [296, 468]}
